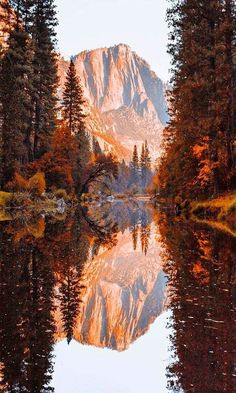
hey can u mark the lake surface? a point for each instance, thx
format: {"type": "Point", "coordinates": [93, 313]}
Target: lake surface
{"type": "Point", "coordinates": [119, 298]}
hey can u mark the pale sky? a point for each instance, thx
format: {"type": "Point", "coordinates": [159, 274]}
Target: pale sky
{"type": "Point", "coordinates": [91, 24]}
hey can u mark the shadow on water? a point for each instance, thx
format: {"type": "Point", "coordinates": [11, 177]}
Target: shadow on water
{"type": "Point", "coordinates": [44, 282]}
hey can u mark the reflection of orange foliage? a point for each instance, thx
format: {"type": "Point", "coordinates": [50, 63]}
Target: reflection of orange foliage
{"type": "Point", "coordinates": [205, 171]}
{"type": "Point", "coordinates": [205, 248]}
{"type": "Point", "coordinates": [200, 273]}
{"type": "Point", "coordinates": [36, 230]}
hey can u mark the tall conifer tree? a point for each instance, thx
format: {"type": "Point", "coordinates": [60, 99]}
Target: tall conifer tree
{"type": "Point", "coordinates": [73, 108]}
{"type": "Point", "coordinates": [16, 92]}
{"type": "Point", "coordinates": [135, 167]}
{"type": "Point", "coordinates": [45, 75]}
{"type": "Point", "coordinates": [145, 165]}
{"type": "Point", "coordinates": [73, 101]}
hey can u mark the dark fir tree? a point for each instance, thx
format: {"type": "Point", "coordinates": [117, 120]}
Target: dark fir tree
{"type": "Point", "coordinates": [135, 167]}
{"type": "Point", "coordinates": [145, 165]}
{"type": "Point", "coordinates": [73, 101]}
{"type": "Point", "coordinates": [73, 108]}
{"type": "Point", "coordinates": [96, 147]}
{"type": "Point", "coordinates": [16, 102]}
{"type": "Point", "coordinates": [45, 75]}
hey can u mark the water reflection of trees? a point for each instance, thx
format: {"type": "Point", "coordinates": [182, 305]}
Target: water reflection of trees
{"type": "Point", "coordinates": [40, 267]}
{"type": "Point", "coordinates": [136, 216]}
{"type": "Point", "coordinates": [41, 271]}
{"type": "Point", "coordinates": [26, 328]}
{"type": "Point", "coordinates": [201, 265]}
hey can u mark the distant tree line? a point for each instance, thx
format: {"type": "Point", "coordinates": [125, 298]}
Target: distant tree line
{"type": "Point", "coordinates": [200, 141]}
{"type": "Point", "coordinates": [135, 177]}
{"type": "Point", "coordinates": [38, 134]}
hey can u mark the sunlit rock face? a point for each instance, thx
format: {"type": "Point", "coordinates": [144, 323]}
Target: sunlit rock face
{"type": "Point", "coordinates": [128, 94]}
{"type": "Point", "coordinates": [125, 292]}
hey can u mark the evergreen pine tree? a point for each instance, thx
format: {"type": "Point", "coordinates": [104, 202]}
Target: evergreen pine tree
{"type": "Point", "coordinates": [73, 101]}
{"type": "Point", "coordinates": [145, 165]}
{"type": "Point", "coordinates": [45, 75]}
{"type": "Point", "coordinates": [96, 147]}
{"type": "Point", "coordinates": [73, 108]}
{"type": "Point", "coordinates": [16, 104]}
{"type": "Point", "coordinates": [135, 167]}
{"type": "Point", "coordinates": [16, 87]}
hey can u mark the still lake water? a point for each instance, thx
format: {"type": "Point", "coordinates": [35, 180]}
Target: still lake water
{"type": "Point", "coordinates": [119, 298]}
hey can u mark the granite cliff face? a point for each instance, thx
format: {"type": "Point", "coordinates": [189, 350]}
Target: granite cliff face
{"type": "Point", "coordinates": [125, 291]}
{"type": "Point", "coordinates": [126, 93]}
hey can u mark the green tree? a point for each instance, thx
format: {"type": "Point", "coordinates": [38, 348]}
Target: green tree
{"type": "Point", "coordinates": [16, 103]}
{"type": "Point", "coordinates": [73, 109]}
{"type": "Point", "coordinates": [145, 165]}
{"type": "Point", "coordinates": [134, 178]}
{"type": "Point", "coordinates": [73, 101]}
{"type": "Point", "coordinates": [96, 147]}
{"type": "Point", "coordinates": [45, 75]}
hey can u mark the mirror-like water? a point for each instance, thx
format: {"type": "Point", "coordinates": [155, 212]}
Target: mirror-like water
{"type": "Point", "coordinates": [118, 298]}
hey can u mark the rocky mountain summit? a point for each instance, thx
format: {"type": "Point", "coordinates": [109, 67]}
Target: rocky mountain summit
{"type": "Point", "coordinates": [126, 95]}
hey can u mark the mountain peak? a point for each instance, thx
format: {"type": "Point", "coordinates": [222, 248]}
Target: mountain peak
{"type": "Point", "coordinates": [117, 77]}
{"type": "Point", "coordinates": [120, 86]}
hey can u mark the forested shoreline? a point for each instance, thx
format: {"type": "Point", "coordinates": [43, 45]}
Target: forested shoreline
{"type": "Point", "coordinates": [200, 142]}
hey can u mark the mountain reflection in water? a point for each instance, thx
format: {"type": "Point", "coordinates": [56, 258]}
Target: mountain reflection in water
{"type": "Point", "coordinates": [102, 276]}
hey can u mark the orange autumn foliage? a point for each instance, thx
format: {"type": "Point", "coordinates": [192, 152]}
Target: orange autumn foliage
{"type": "Point", "coordinates": [37, 184]}
{"type": "Point", "coordinates": [59, 165]}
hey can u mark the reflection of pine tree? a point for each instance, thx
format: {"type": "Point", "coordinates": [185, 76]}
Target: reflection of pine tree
{"type": "Point", "coordinates": [41, 328]}
{"type": "Point", "coordinates": [145, 231]}
{"type": "Point", "coordinates": [135, 232]}
{"type": "Point", "coordinates": [145, 237]}
{"type": "Point", "coordinates": [26, 339]}
{"type": "Point", "coordinates": [12, 313]}
{"type": "Point", "coordinates": [69, 301]}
